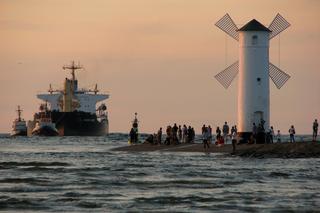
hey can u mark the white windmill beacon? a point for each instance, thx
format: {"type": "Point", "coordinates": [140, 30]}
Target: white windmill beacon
{"type": "Point", "coordinates": [254, 70]}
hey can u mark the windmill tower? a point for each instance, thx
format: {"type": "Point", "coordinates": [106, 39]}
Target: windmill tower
{"type": "Point", "coordinates": [254, 70]}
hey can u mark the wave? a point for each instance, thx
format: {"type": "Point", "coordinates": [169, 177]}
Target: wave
{"type": "Point", "coordinates": [22, 204]}
{"type": "Point", "coordinates": [23, 180]}
{"type": "Point", "coordinates": [32, 163]}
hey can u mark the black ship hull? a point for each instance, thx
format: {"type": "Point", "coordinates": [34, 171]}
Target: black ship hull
{"type": "Point", "coordinates": [45, 131]}
{"type": "Point", "coordinates": [19, 133]}
{"type": "Point", "coordinates": [78, 124]}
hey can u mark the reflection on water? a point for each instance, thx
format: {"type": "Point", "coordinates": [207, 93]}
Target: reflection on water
{"type": "Point", "coordinates": [82, 174]}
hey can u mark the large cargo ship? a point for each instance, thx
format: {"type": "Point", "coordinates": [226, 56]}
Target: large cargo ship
{"type": "Point", "coordinates": [75, 111]}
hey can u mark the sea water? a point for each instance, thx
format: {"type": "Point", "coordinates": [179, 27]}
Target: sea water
{"type": "Point", "coordinates": [83, 174]}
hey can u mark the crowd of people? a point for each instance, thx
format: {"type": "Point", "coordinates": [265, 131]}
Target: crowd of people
{"type": "Point", "coordinates": [182, 134]}
{"type": "Point", "coordinates": [260, 135]}
{"type": "Point", "coordinates": [174, 135]}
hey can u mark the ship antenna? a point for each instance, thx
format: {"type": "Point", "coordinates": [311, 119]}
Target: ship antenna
{"type": "Point", "coordinates": [73, 67]}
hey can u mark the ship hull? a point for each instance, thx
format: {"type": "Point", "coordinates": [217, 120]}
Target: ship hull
{"type": "Point", "coordinates": [45, 131]}
{"type": "Point", "coordinates": [78, 124]}
{"type": "Point", "coordinates": [19, 133]}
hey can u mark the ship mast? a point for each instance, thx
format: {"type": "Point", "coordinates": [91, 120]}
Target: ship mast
{"type": "Point", "coordinates": [73, 67]}
{"type": "Point", "coordinates": [19, 113]}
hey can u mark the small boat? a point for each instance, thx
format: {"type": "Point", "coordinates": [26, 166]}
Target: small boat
{"type": "Point", "coordinates": [44, 125]}
{"type": "Point", "coordinates": [19, 126]}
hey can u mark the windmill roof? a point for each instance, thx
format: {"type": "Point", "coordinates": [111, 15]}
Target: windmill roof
{"type": "Point", "coordinates": [254, 25]}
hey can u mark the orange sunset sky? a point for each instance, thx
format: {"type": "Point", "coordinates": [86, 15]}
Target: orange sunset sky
{"type": "Point", "coordinates": [157, 58]}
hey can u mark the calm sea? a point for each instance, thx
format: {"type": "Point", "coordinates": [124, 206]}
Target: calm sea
{"type": "Point", "coordinates": [82, 174]}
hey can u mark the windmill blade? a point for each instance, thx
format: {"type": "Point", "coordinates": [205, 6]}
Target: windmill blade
{"type": "Point", "coordinates": [278, 77]}
{"type": "Point", "coordinates": [278, 25]}
{"type": "Point", "coordinates": [227, 25]}
{"type": "Point", "coordinates": [226, 76]}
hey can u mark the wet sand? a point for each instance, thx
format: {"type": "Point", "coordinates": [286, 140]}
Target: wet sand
{"type": "Point", "coordinates": [278, 150]}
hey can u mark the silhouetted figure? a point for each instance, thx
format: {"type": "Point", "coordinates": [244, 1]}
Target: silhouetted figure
{"type": "Point", "coordinates": [169, 137]}
{"type": "Point", "coordinates": [261, 136]}
{"type": "Point", "coordinates": [205, 138]}
{"type": "Point", "coordinates": [292, 132]}
{"type": "Point", "coordinates": [218, 133]}
{"type": "Point", "coordinates": [210, 134]}
{"type": "Point", "coordinates": [234, 141]}
{"type": "Point", "coordinates": [189, 134]}
{"type": "Point", "coordinates": [132, 135]}
{"type": "Point", "coordinates": [254, 133]}
{"type": "Point", "coordinates": [174, 134]}
{"type": "Point", "coordinates": [159, 135]}
{"type": "Point", "coordinates": [225, 131]}
{"type": "Point", "coordinates": [315, 130]}
{"type": "Point", "coordinates": [180, 134]}
{"type": "Point", "coordinates": [278, 137]}
{"type": "Point", "coordinates": [193, 134]}
{"type": "Point", "coordinates": [203, 129]}
{"type": "Point", "coordinates": [271, 134]}
{"type": "Point", "coordinates": [150, 139]}
{"type": "Point", "coordinates": [184, 134]}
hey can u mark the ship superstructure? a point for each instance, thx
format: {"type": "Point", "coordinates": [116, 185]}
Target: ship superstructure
{"type": "Point", "coordinates": [75, 110]}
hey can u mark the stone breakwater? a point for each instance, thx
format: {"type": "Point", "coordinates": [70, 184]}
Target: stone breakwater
{"type": "Point", "coordinates": [276, 150]}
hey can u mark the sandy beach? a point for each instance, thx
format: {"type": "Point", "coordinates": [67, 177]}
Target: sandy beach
{"type": "Point", "coordinates": [278, 150]}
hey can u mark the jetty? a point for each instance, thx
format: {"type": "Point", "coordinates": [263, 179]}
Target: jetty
{"type": "Point", "coordinates": [274, 150]}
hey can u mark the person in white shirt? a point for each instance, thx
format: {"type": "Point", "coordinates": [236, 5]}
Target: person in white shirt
{"type": "Point", "coordinates": [234, 138]}
{"type": "Point", "coordinates": [205, 138]}
{"type": "Point", "coordinates": [292, 132]}
{"type": "Point", "coordinates": [271, 134]}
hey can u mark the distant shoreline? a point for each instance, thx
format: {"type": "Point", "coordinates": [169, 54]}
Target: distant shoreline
{"type": "Point", "coordinates": [275, 150]}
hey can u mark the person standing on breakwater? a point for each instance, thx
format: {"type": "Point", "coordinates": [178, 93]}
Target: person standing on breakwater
{"type": "Point", "coordinates": [232, 130]}
{"type": "Point", "coordinates": [159, 135]}
{"type": "Point", "coordinates": [279, 137]}
{"type": "Point", "coordinates": [180, 134]}
{"type": "Point", "coordinates": [234, 141]}
{"type": "Point", "coordinates": [205, 138]}
{"type": "Point", "coordinates": [271, 134]}
{"type": "Point", "coordinates": [225, 130]}
{"type": "Point", "coordinates": [315, 130]}
{"type": "Point", "coordinates": [210, 134]}
{"type": "Point", "coordinates": [292, 132]}
{"type": "Point", "coordinates": [175, 134]}
{"type": "Point", "coordinates": [169, 133]}
{"type": "Point", "coordinates": [203, 129]}
{"type": "Point", "coordinates": [218, 133]}
{"type": "Point", "coordinates": [184, 134]}
{"type": "Point", "coordinates": [132, 135]}
{"type": "Point", "coordinates": [254, 133]}
{"type": "Point", "coordinates": [189, 135]}
{"type": "Point", "coordinates": [193, 135]}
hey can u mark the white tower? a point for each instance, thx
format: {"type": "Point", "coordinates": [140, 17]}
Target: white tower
{"type": "Point", "coordinates": [254, 70]}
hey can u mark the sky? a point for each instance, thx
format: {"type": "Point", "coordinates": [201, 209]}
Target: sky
{"type": "Point", "coordinates": [156, 58]}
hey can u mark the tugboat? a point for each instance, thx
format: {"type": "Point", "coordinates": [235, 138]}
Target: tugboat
{"type": "Point", "coordinates": [74, 110]}
{"type": "Point", "coordinates": [19, 127]}
{"type": "Point", "coordinates": [44, 125]}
